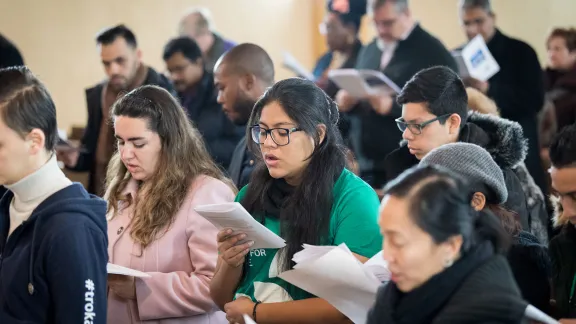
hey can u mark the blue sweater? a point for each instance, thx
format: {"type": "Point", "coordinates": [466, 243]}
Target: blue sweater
{"type": "Point", "coordinates": [53, 266]}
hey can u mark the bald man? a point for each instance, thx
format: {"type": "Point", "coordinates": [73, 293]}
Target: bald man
{"type": "Point", "coordinates": [241, 76]}
{"type": "Point", "coordinates": [197, 24]}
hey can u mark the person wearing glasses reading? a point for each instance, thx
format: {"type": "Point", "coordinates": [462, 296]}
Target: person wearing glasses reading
{"type": "Point", "coordinates": [300, 190]}
{"type": "Point", "coordinates": [435, 112]}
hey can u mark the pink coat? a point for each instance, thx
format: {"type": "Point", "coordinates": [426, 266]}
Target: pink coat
{"type": "Point", "coordinates": [181, 263]}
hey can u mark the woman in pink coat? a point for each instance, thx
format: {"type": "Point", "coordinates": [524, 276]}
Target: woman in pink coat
{"type": "Point", "coordinates": [161, 171]}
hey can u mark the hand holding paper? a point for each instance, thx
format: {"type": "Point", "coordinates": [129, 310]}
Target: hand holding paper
{"type": "Point", "coordinates": [235, 217]}
{"type": "Point", "coordinates": [363, 83]}
{"type": "Point", "coordinates": [334, 274]}
{"type": "Point", "coordinates": [120, 270]}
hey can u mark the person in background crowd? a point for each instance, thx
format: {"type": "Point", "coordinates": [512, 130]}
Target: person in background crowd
{"type": "Point", "coordinates": [195, 87]}
{"type": "Point", "coordinates": [52, 232]}
{"type": "Point", "coordinates": [539, 217]}
{"type": "Point", "coordinates": [9, 53]}
{"type": "Point", "coordinates": [301, 191]}
{"type": "Point", "coordinates": [445, 258]}
{"type": "Point", "coordinates": [197, 24]}
{"type": "Point", "coordinates": [241, 76]}
{"type": "Point", "coordinates": [435, 112]}
{"type": "Point", "coordinates": [563, 174]}
{"type": "Point", "coordinates": [517, 88]}
{"type": "Point", "coordinates": [397, 52]}
{"type": "Point", "coordinates": [560, 75]}
{"type": "Point", "coordinates": [159, 174]}
{"type": "Point", "coordinates": [341, 27]}
{"type": "Point", "coordinates": [122, 63]}
{"type": "Point", "coordinates": [528, 259]}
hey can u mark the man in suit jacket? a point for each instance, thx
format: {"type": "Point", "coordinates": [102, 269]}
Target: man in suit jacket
{"type": "Point", "coordinates": [123, 66]}
{"type": "Point", "coordinates": [398, 53]}
{"type": "Point", "coordinates": [241, 76]}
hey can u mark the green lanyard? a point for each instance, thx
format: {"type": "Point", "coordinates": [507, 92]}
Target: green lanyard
{"type": "Point", "coordinates": [572, 289]}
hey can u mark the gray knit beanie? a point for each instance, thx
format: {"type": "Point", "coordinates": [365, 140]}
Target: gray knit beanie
{"type": "Point", "coordinates": [474, 163]}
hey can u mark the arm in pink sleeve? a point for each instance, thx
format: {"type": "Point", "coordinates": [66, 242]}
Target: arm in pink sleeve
{"type": "Point", "coordinates": [181, 294]}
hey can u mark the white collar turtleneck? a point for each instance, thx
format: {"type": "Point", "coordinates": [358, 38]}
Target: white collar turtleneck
{"type": "Point", "coordinates": [32, 190]}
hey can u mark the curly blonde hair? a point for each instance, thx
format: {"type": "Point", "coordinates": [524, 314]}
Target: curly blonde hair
{"type": "Point", "coordinates": [477, 101]}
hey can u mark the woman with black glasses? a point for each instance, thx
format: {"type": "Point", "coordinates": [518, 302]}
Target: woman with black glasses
{"type": "Point", "coordinates": [301, 190]}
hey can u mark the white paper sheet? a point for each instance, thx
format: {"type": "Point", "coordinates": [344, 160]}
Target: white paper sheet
{"type": "Point", "coordinates": [291, 63]}
{"type": "Point", "coordinates": [378, 267]}
{"type": "Point", "coordinates": [234, 216]}
{"type": "Point", "coordinates": [336, 276]}
{"type": "Point", "coordinates": [479, 61]}
{"type": "Point", "coordinates": [248, 320]}
{"type": "Point", "coordinates": [363, 83]}
{"type": "Point", "coordinates": [537, 315]}
{"type": "Point", "coordinates": [120, 270]}
{"type": "Point", "coordinates": [462, 68]}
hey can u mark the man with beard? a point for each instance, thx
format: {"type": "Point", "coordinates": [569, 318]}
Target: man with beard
{"type": "Point", "coordinates": [121, 58]}
{"type": "Point", "coordinates": [241, 76]}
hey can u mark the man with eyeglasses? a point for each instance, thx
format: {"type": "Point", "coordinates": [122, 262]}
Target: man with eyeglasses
{"type": "Point", "coordinates": [401, 49]}
{"type": "Point", "coordinates": [518, 88]}
{"type": "Point", "coordinates": [435, 112]}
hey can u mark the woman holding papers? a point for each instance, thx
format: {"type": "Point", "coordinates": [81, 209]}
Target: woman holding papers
{"type": "Point", "coordinates": [300, 190]}
{"type": "Point", "coordinates": [445, 258]}
{"type": "Point", "coordinates": [160, 172]}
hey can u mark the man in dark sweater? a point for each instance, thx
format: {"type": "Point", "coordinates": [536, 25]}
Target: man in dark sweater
{"type": "Point", "coordinates": [398, 52]}
{"type": "Point", "coordinates": [121, 58]}
{"type": "Point", "coordinates": [518, 88]}
{"type": "Point", "coordinates": [241, 76]}
{"type": "Point", "coordinates": [195, 86]}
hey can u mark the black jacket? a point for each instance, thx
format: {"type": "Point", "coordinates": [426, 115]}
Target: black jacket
{"type": "Point", "coordinates": [379, 134]}
{"type": "Point", "coordinates": [219, 133]}
{"type": "Point", "coordinates": [487, 295]}
{"type": "Point", "coordinates": [86, 161]}
{"type": "Point", "coordinates": [504, 140]}
{"type": "Point", "coordinates": [242, 164]}
{"type": "Point", "coordinates": [563, 258]}
{"type": "Point", "coordinates": [53, 266]}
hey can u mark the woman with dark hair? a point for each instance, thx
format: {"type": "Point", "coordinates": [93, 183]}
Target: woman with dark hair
{"type": "Point", "coordinates": [528, 258]}
{"type": "Point", "coordinates": [300, 190]}
{"type": "Point", "coordinates": [445, 258]}
{"type": "Point", "coordinates": [160, 172]}
{"type": "Point", "coordinates": [340, 26]}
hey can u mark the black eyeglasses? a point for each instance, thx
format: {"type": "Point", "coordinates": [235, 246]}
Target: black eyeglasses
{"type": "Point", "coordinates": [416, 129]}
{"type": "Point", "coordinates": [280, 136]}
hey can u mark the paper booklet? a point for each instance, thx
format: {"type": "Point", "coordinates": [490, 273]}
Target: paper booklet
{"type": "Point", "coordinates": [476, 61]}
{"type": "Point", "coordinates": [234, 216]}
{"type": "Point", "coordinates": [120, 270]}
{"type": "Point", "coordinates": [292, 64]}
{"type": "Point", "coordinates": [363, 83]}
{"type": "Point", "coordinates": [336, 275]}
{"type": "Point", "coordinates": [539, 316]}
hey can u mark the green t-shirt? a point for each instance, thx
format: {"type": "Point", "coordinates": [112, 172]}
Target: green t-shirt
{"type": "Point", "coordinates": [353, 221]}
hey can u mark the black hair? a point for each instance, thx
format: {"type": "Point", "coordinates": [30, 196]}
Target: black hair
{"type": "Point", "coordinates": [248, 58]}
{"type": "Point", "coordinates": [109, 35]}
{"type": "Point", "coordinates": [26, 104]}
{"type": "Point", "coordinates": [357, 9]}
{"type": "Point", "coordinates": [485, 5]}
{"type": "Point", "coordinates": [563, 148]}
{"type": "Point", "coordinates": [440, 206]}
{"type": "Point", "coordinates": [440, 88]}
{"type": "Point", "coordinates": [305, 216]}
{"type": "Point", "coordinates": [185, 45]}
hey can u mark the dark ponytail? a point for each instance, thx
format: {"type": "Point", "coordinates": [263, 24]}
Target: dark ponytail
{"type": "Point", "coordinates": [488, 227]}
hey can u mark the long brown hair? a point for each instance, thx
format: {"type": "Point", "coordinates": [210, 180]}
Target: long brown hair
{"type": "Point", "coordinates": [183, 157]}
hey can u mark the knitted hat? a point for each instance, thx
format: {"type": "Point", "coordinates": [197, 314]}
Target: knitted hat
{"type": "Point", "coordinates": [475, 164]}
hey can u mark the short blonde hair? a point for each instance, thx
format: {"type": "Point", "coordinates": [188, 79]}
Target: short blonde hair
{"type": "Point", "coordinates": [477, 101]}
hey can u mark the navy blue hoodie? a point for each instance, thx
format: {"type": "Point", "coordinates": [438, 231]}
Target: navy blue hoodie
{"type": "Point", "coordinates": [53, 266]}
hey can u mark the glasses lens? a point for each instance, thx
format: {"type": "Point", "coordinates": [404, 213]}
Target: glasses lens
{"type": "Point", "coordinates": [415, 129]}
{"type": "Point", "coordinates": [258, 135]}
{"type": "Point", "coordinates": [401, 125]}
{"type": "Point", "coordinates": [281, 136]}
